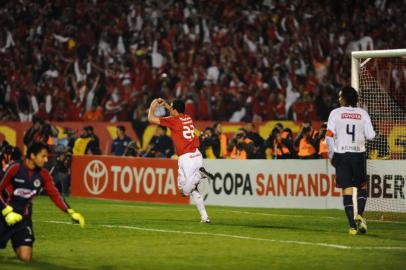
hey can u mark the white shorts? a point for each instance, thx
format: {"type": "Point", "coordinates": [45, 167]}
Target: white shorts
{"type": "Point", "coordinates": [189, 165]}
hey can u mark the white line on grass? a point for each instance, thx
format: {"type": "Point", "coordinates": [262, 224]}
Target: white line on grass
{"type": "Point", "coordinates": [237, 237]}
{"type": "Point", "coordinates": [306, 216]}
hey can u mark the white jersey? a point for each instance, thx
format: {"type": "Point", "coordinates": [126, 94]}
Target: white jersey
{"type": "Point", "coordinates": [350, 127]}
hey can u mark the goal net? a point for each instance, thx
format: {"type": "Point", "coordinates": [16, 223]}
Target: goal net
{"type": "Point", "coordinates": [380, 78]}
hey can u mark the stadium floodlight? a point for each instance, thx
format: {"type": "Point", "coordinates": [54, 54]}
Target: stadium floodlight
{"type": "Point", "coordinates": [380, 78]}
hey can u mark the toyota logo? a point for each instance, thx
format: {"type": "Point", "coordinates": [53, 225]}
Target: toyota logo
{"type": "Point", "coordinates": [96, 177]}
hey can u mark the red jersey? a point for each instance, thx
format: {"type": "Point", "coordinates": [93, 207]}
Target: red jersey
{"type": "Point", "coordinates": [182, 133]}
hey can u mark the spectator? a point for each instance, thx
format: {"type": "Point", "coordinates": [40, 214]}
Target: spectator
{"type": "Point", "coordinates": [95, 114]}
{"type": "Point", "coordinates": [304, 108]}
{"type": "Point", "coordinates": [121, 142]}
{"type": "Point", "coordinates": [6, 114]}
{"type": "Point", "coordinates": [160, 145]}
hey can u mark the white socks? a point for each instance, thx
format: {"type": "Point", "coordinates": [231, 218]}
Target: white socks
{"type": "Point", "coordinates": [198, 199]}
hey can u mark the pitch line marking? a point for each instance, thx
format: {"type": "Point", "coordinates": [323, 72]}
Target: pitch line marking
{"type": "Point", "coordinates": [236, 237]}
{"type": "Point", "coordinates": [304, 216]}
{"type": "Point", "coordinates": [269, 214]}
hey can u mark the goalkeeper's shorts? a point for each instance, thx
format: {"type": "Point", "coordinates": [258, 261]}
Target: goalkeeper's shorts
{"type": "Point", "coordinates": [20, 234]}
{"type": "Point", "coordinates": [350, 169]}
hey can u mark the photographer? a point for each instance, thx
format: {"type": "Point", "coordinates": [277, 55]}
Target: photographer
{"type": "Point", "coordinates": [279, 144]}
{"type": "Point", "coordinates": [378, 148]}
{"type": "Point", "coordinates": [218, 131]}
{"type": "Point", "coordinates": [306, 142]}
{"type": "Point", "coordinates": [209, 144]}
{"type": "Point", "coordinates": [40, 131]}
{"type": "Point", "coordinates": [8, 156]}
{"type": "Point", "coordinates": [321, 141]}
{"type": "Point", "coordinates": [400, 141]}
{"type": "Point", "coordinates": [240, 147]}
{"type": "Point", "coordinates": [61, 168]}
{"type": "Point", "coordinates": [258, 141]}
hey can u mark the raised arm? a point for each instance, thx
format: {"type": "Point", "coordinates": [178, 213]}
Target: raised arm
{"type": "Point", "coordinates": [152, 118]}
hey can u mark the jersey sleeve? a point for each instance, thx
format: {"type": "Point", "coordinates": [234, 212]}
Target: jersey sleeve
{"type": "Point", "coordinates": [369, 129]}
{"type": "Point", "coordinates": [10, 173]}
{"type": "Point", "coordinates": [52, 192]}
{"type": "Point", "coordinates": [167, 121]}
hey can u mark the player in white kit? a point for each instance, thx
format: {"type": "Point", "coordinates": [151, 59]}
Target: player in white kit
{"type": "Point", "coordinates": [347, 129]}
{"type": "Point", "coordinates": [190, 160]}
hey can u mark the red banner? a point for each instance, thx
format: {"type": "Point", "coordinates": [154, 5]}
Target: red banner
{"type": "Point", "coordinates": [122, 178]}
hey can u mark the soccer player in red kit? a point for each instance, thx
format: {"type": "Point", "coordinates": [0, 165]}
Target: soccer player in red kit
{"type": "Point", "coordinates": [22, 181]}
{"type": "Point", "coordinates": [190, 160]}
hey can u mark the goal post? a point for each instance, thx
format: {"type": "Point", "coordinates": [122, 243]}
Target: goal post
{"type": "Point", "coordinates": [358, 55]}
{"type": "Point", "coordinates": [379, 76]}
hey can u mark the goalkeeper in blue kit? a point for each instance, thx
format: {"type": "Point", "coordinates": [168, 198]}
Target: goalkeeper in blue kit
{"type": "Point", "coordinates": [21, 182]}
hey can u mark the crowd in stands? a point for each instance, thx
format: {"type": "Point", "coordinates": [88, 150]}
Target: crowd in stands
{"type": "Point", "coordinates": [240, 60]}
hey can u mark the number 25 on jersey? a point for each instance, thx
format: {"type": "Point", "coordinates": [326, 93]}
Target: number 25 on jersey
{"type": "Point", "coordinates": [189, 132]}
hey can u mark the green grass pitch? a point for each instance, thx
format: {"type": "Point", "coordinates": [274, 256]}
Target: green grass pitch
{"type": "Point", "coordinates": [128, 235]}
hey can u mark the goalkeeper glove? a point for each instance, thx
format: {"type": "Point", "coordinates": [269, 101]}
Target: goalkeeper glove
{"type": "Point", "coordinates": [10, 216]}
{"type": "Point", "coordinates": [76, 217]}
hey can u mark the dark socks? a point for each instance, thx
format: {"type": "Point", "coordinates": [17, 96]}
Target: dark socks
{"type": "Point", "coordinates": [349, 209]}
{"type": "Point", "coordinates": [362, 200]}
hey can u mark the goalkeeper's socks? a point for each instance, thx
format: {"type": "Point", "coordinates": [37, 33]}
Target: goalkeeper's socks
{"type": "Point", "coordinates": [197, 197]}
{"type": "Point", "coordinates": [349, 209]}
{"type": "Point", "coordinates": [362, 200]}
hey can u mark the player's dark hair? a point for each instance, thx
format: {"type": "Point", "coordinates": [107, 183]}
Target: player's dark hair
{"type": "Point", "coordinates": [350, 95]}
{"type": "Point", "coordinates": [36, 147]}
{"type": "Point", "coordinates": [178, 105]}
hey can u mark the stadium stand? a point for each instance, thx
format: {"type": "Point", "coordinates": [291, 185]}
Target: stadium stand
{"type": "Point", "coordinates": [105, 60]}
